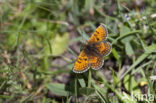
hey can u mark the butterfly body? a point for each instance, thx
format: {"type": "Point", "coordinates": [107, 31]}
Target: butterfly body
{"type": "Point", "coordinates": [93, 52]}
{"type": "Point", "coordinates": [91, 49]}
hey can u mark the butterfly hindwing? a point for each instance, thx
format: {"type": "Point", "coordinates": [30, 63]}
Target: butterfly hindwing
{"type": "Point", "coordinates": [96, 62]}
{"type": "Point", "coordinates": [104, 48]}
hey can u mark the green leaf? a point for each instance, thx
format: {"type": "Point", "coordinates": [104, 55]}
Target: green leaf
{"type": "Point", "coordinates": [116, 55]}
{"type": "Point", "coordinates": [89, 4]}
{"type": "Point", "coordinates": [59, 45]}
{"type": "Point", "coordinates": [82, 82]}
{"type": "Point", "coordinates": [131, 84]}
{"type": "Point", "coordinates": [58, 89]}
{"type": "Point", "coordinates": [115, 78]}
{"type": "Point", "coordinates": [11, 39]}
{"type": "Point", "coordinates": [151, 48]}
{"type": "Point", "coordinates": [123, 31]}
{"type": "Point", "coordinates": [87, 91]}
{"type": "Point", "coordinates": [129, 49]}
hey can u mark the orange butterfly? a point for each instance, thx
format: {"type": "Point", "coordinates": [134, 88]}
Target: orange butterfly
{"type": "Point", "coordinates": [94, 51]}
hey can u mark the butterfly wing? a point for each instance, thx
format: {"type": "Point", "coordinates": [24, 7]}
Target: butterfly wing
{"type": "Point", "coordinates": [103, 49]}
{"type": "Point", "coordinates": [82, 63]}
{"type": "Point", "coordinates": [96, 62]}
{"type": "Point", "coordinates": [99, 35]}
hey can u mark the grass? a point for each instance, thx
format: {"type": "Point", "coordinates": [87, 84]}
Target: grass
{"type": "Point", "coordinates": [40, 41]}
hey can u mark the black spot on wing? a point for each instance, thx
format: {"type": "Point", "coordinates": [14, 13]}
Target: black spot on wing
{"type": "Point", "coordinates": [97, 32]}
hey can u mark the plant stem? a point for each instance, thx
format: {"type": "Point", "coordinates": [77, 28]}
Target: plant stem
{"type": "Point", "coordinates": [89, 78]}
{"type": "Point", "coordinates": [76, 89]}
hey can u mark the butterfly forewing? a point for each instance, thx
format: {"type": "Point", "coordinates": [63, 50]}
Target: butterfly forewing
{"type": "Point", "coordinates": [82, 63]}
{"type": "Point", "coordinates": [99, 35]}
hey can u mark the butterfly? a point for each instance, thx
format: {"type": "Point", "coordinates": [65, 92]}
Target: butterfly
{"type": "Point", "coordinates": [94, 51]}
